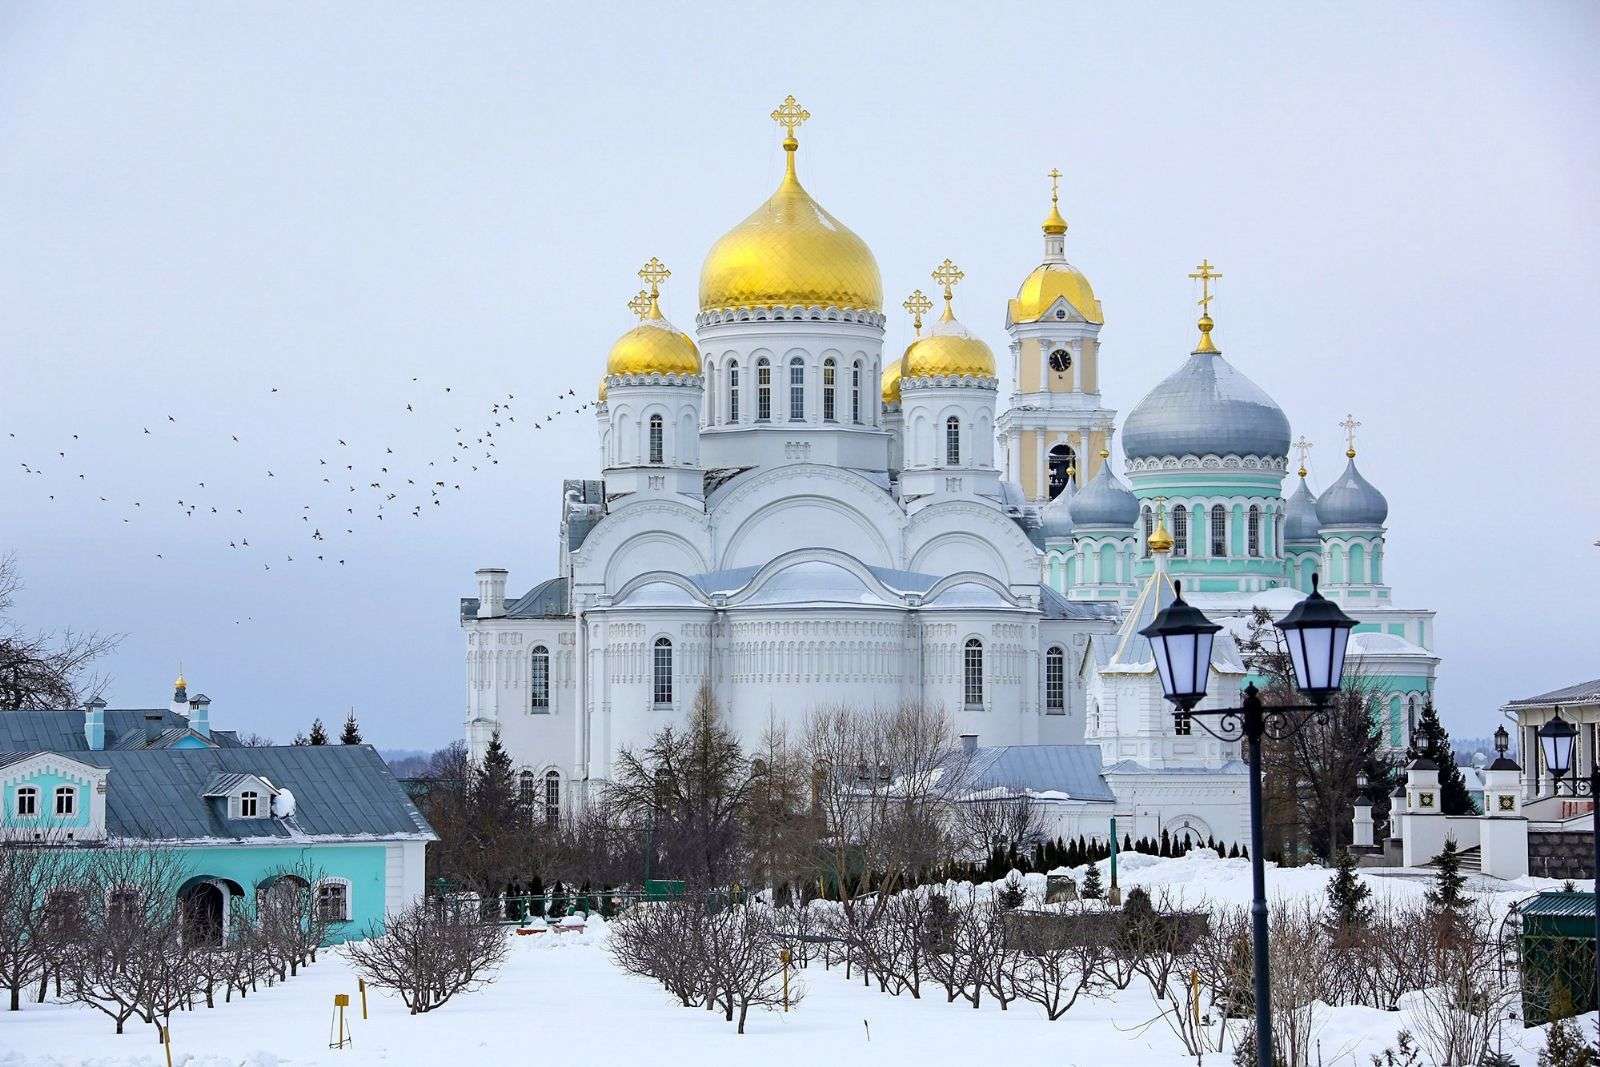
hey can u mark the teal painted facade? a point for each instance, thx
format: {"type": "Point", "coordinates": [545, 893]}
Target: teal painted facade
{"type": "Point", "coordinates": [47, 821]}
{"type": "Point", "coordinates": [362, 867]}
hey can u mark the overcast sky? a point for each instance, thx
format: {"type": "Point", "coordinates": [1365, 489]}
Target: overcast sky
{"type": "Point", "coordinates": [286, 222]}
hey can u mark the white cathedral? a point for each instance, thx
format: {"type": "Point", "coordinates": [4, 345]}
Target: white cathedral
{"type": "Point", "coordinates": [791, 519]}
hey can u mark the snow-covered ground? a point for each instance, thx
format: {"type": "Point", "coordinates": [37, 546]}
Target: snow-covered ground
{"type": "Point", "coordinates": [561, 1000]}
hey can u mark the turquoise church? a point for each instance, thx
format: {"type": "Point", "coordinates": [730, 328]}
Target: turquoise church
{"type": "Point", "coordinates": [238, 817]}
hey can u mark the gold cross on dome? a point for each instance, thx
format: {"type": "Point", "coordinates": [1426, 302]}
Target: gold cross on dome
{"type": "Point", "coordinates": [654, 272]}
{"type": "Point", "coordinates": [1205, 274]}
{"type": "Point", "coordinates": [1349, 426]}
{"type": "Point", "coordinates": [948, 274]}
{"type": "Point", "coordinates": [1304, 448]}
{"type": "Point", "coordinates": [790, 116]}
{"type": "Point", "coordinates": [640, 304]}
{"type": "Point", "coordinates": [919, 305]}
{"type": "Point", "coordinates": [1055, 184]}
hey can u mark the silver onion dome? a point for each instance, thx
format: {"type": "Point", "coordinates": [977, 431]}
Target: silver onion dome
{"type": "Point", "coordinates": [1352, 501]}
{"type": "Point", "coordinates": [1206, 407]}
{"type": "Point", "coordinates": [1105, 501]}
{"type": "Point", "coordinates": [1300, 521]}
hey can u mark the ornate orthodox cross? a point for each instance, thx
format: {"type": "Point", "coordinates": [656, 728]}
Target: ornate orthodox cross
{"type": "Point", "coordinates": [948, 274]}
{"type": "Point", "coordinates": [1055, 184]}
{"type": "Point", "coordinates": [640, 305]}
{"type": "Point", "coordinates": [790, 116]}
{"type": "Point", "coordinates": [1304, 448]}
{"type": "Point", "coordinates": [919, 305]}
{"type": "Point", "coordinates": [1205, 274]}
{"type": "Point", "coordinates": [1349, 426]}
{"type": "Point", "coordinates": [654, 273]}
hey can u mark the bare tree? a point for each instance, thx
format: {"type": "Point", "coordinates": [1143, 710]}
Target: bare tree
{"type": "Point", "coordinates": [49, 668]}
{"type": "Point", "coordinates": [1060, 963]}
{"type": "Point", "coordinates": [34, 889]}
{"type": "Point", "coordinates": [998, 818]}
{"type": "Point", "coordinates": [428, 954]}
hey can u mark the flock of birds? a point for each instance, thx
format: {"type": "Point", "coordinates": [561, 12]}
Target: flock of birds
{"type": "Point", "coordinates": [353, 485]}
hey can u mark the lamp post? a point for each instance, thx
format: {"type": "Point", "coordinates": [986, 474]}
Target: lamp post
{"type": "Point", "coordinates": [1558, 740]}
{"type": "Point", "coordinates": [1316, 634]}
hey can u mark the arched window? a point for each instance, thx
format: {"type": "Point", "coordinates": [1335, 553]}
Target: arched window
{"type": "Point", "coordinates": [952, 442]}
{"type": "Point", "coordinates": [763, 390]}
{"type": "Point", "coordinates": [249, 804]}
{"type": "Point", "coordinates": [1253, 531]}
{"type": "Point", "coordinates": [1055, 680]}
{"type": "Point", "coordinates": [655, 439]}
{"type": "Point", "coordinates": [662, 675]}
{"type": "Point", "coordinates": [1411, 719]}
{"type": "Point", "coordinates": [855, 392]}
{"type": "Point", "coordinates": [1219, 530]}
{"type": "Point", "coordinates": [1149, 528]}
{"type": "Point", "coordinates": [527, 790]}
{"type": "Point", "coordinates": [27, 802]}
{"type": "Point", "coordinates": [1062, 459]}
{"type": "Point", "coordinates": [827, 390]}
{"type": "Point", "coordinates": [797, 390]}
{"type": "Point", "coordinates": [552, 797]}
{"type": "Point", "coordinates": [972, 674]}
{"type": "Point", "coordinates": [539, 679]}
{"type": "Point", "coordinates": [733, 393]}
{"type": "Point", "coordinates": [1180, 531]}
{"type": "Point", "coordinates": [66, 800]}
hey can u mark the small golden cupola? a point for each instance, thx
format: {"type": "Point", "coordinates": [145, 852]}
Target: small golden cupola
{"type": "Point", "coordinates": [918, 305]}
{"type": "Point", "coordinates": [790, 252]}
{"type": "Point", "coordinates": [654, 346]}
{"type": "Point", "coordinates": [949, 349]}
{"type": "Point", "coordinates": [1055, 278]}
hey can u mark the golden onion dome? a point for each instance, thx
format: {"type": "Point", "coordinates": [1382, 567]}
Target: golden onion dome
{"type": "Point", "coordinates": [1048, 283]}
{"type": "Point", "coordinates": [602, 395]}
{"type": "Point", "coordinates": [891, 382]}
{"type": "Point", "coordinates": [949, 349]}
{"type": "Point", "coordinates": [654, 346]}
{"type": "Point", "coordinates": [790, 252]}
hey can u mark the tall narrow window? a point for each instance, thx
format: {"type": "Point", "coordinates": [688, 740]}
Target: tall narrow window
{"type": "Point", "coordinates": [952, 442]}
{"type": "Point", "coordinates": [1149, 528]}
{"type": "Point", "coordinates": [27, 801]}
{"type": "Point", "coordinates": [827, 390]}
{"type": "Point", "coordinates": [333, 902]}
{"type": "Point", "coordinates": [249, 804]}
{"type": "Point", "coordinates": [1219, 530]}
{"type": "Point", "coordinates": [655, 439]}
{"type": "Point", "coordinates": [662, 689]}
{"type": "Point", "coordinates": [733, 393]}
{"type": "Point", "coordinates": [539, 678]}
{"type": "Point", "coordinates": [763, 390]}
{"type": "Point", "coordinates": [527, 791]}
{"type": "Point", "coordinates": [66, 800]}
{"type": "Point", "coordinates": [1180, 531]}
{"type": "Point", "coordinates": [1253, 531]}
{"type": "Point", "coordinates": [972, 674]}
{"type": "Point", "coordinates": [855, 392]}
{"type": "Point", "coordinates": [797, 390]}
{"type": "Point", "coordinates": [1055, 680]}
{"type": "Point", "coordinates": [552, 797]}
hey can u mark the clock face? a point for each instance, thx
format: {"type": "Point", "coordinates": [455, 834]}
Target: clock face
{"type": "Point", "coordinates": [1060, 360]}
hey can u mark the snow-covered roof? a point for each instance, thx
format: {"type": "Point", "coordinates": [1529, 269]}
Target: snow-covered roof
{"type": "Point", "coordinates": [1070, 772]}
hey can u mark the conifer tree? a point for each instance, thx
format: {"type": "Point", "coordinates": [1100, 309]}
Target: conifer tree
{"type": "Point", "coordinates": [1127, 842]}
{"type": "Point", "coordinates": [1092, 887]}
{"type": "Point", "coordinates": [1347, 895]}
{"type": "Point", "coordinates": [1446, 897]}
{"type": "Point", "coordinates": [318, 735]}
{"type": "Point", "coordinates": [352, 731]}
{"type": "Point", "coordinates": [1165, 848]}
{"type": "Point", "coordinates": [300, 739]}
{"type": "Point", "coordinates": [1431, 742]}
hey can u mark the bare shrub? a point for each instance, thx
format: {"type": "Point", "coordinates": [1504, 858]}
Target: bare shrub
{"type": "Point", "coordinates": [1456, 1019]}
{"type": "Point", "coordinates": [427, 955]}
{"type": "Point", "coordinates": [1061, 962]}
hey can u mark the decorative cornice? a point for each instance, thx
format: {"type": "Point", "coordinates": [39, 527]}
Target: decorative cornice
{"type": "Point", "coordinates": [733, 315]}
{"type": "Point", "coordinates": [622, 381]}
{"type": "Point", "coordinates": [948, 381]}
{"type": "Point", "coordinates": [1207, 462]}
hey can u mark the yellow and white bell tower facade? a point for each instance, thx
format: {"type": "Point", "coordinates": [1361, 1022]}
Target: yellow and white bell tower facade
{"type": "Point", "coordinates": [1056, 426]}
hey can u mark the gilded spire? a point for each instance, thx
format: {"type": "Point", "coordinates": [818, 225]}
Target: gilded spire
{"type": "Point", "coordinates": [1304, 448]}
{"type": "Point", "coordinates": [654, 273]}
{"type": "Point", "coordinates": [1205, 274]}
{"type": "Point", "coordinates": [918, 305]}
{"type": "Point", "coordinates": [790, 116]}
{"type": "Point", "coordinates": [1349, 426]}
{"type": "Point", "coordinates": [948, 275]}
{"type": "Point", "coordinates": [1054, 224]}
{"type": "Point", "coordinates": [1160, 540]}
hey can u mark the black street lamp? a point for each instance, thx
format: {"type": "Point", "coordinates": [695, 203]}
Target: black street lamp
{"type": "Point", "coordinates": [1558, 739]}
{"type": "Point", "coordinates": [1316, 634]}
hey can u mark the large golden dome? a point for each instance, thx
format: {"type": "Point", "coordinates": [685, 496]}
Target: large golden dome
{"type": "Point", "coordinates": [1048, 283]}
{"type": "Point", "coordinates": [949, 349]}
{"type": "Point", "coordinates": [790, 253]}
{"type": "Point", "coordinates": [654, 346]}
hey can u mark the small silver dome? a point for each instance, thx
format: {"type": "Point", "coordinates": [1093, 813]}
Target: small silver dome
{"type": "Point", "coordinates": [1300, 521]}
{"type": "Point", "coordinates": [1352, 501]}
{"type": "Point", "coordinates": [1105, 501]}
{"type": "Point", "coordinates": [1055, 518]}
{"type": "Point", "coordinates": [1206, 407]}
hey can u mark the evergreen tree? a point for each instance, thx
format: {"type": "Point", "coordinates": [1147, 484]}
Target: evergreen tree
{"type": "Point", "coordinates": [1092, 887]}
{"type": "Point", "coordinates": [1127, 842]}
{"type": "Point", "coordinates": [1446, 897]}
{"type": "Point", "coordinates": [1165, 848]}
{"type": "Point", "coordinates": [300, 739]}
{"type": "Point", "coordinates": [1564, 1046]}
{"type": "Point", "coordinates": [1347, 895]}
{"type": "Point", "coordinates": [1431, 741]}
{"type": "Point", "coordinates": [494, 785]}
{"type": "Point", "coordinates": [352, 731]}
{"type": "Point", "coordinates": [318, 735]}
{"type": "Point", "coordinates": [1233, 851]}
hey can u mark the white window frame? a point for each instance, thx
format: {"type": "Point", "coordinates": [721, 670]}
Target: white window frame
{"type": "Point", "coordinates": [1180, 531]}
{"type": "Point", "coordinates": [733, 392]}
{"type": "Point", "coordinates": [763, 390]}
{"type": "Point", "coordinates": [661, 691]}
{"type": "Point", "coordinates": [658, 439]}
{"type": "Point", "coordinates": [347, 897]}
{"type": "Point", "coordinates": [952, 442]}
{"type": "Point", "coordinates": [797, 390]}
{"type": "Point", "coordinates": [539, 680]}
{"type": "Point", "coordinates": [1055, 679]}
{"type": "Point", "coordinates": [253, 799]}
{"type": "Point", "coordinates": [972, 673]}
{"type": "Point", "coordinates": [829, 371]}
{"type": "Point", "coordinates": [552, 807]}
{"type": "Point", "coordinates": [1217, 530]}
{"type": "Point", "coordinates": [70, 794]}
{"type": "Point", "coordinates": [32, 792]}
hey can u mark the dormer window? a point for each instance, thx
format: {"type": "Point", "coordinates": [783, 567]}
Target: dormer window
{"type": "Point", "coordinates": [249, 804]}
{"type": "Point", "coordinates": [66, 800]}
{"type": "Point", "coordinates": [27, 802]}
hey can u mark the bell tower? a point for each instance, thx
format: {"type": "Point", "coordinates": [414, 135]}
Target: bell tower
{"type": "Point", "coordinates": [1055, 421]}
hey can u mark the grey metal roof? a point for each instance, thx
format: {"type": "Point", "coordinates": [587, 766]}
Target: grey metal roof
{"type": "Point", "coordinates": [339, 791]}
{"type": "Point", "coordinates": [1300, 522]}
{"type": "Point", "coordinates": [1581, 693]}
{"type": "Point", "coordinates": [1070, 769]}
{"type": "Point", "coordinates": [223, 784]}
{"type": "Point", "coordinates": [1056, 606]}
{"type": "Point", "coordinates": [1206, 407]}
{"type": "Point", "coordinates": [62, 731]}
{"type": "Point", "coordinates": [1352, 501]}
{"type": "Point", "coordinates": [1105, 501]}
{"type": "Point", "coordinates": [547, 600]}
{"type": "Point", "coordinates": [1055, 518]}
{"type": "Point", "coordinates": [1129, 766]}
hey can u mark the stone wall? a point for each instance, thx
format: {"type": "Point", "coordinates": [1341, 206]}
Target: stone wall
{"type": "Point", "coordinates": [1561, 854]}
